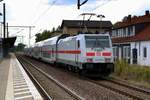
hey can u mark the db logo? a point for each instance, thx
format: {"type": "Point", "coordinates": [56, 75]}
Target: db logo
{"type": "Point", "coordinates": [98, 54]}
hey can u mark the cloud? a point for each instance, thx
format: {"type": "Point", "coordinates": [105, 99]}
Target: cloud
{"type": "Point", "coordinates": [115, 10]}
{"type": "Point", "coordinates": [64, 2]}
{"type": "Point", "coordinates": [44, 15]}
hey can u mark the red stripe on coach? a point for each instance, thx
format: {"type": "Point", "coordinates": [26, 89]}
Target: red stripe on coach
{"type": "Point", "coordinates": [66, 51]}
{"type": "Point", "coordinates": [69, 51]}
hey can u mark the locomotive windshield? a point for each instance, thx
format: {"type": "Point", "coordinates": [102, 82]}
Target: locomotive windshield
{"type": "Point", "coordinates": [97, 41]}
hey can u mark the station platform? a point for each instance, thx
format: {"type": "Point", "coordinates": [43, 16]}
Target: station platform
{"type": "Point", "coordinates": [14, 82]}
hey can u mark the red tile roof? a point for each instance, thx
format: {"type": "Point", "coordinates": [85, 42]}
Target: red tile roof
{"type": "Point", "coordinates": [133, 20]}
{"type": "Point", "coordinates": [144, 35]}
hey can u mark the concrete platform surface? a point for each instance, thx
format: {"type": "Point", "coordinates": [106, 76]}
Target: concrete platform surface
{"type": "Point", "coordinates": [4, 71]}
{"type": "Point", "coordinates": [14, 82]}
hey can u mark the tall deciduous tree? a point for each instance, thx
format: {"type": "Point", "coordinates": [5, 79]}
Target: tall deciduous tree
{"type": "Point", "coordinates": [44, 35]}
{"type": "Point", "coordinates": [47, 34]}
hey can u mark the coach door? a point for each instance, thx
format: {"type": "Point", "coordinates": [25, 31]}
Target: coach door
{"type": "Point", "coordinates": [77, 46]}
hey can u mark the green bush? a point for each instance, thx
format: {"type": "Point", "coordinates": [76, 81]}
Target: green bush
{"type": "Point", "coordinates": [121, 66]}
{"type": "Point", "coordinates": [134, 72]}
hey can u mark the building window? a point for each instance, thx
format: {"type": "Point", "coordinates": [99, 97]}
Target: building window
{"type": "Point", "coordinates": [145, 52]}
{"type": "Point", "coordinates": [116, 32]}
{"type": "Point", "coordinates": [133, 30]}
{"type": "Point", "coordinates": [126, 31]}
{"type": "Point", "coordinates": [115, 53]}
{"type": "Point", "coordinates": [113, 33]}
{"type": "Point", "coordinates": [126, 53]}
{"type": "Point", "coordinates": [121, 32]}
{"type": "Point", "coordinates": [129, 28]}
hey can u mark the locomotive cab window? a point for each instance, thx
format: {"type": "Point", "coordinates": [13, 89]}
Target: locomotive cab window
{"type": "Point", "coordinates": [97, 41]}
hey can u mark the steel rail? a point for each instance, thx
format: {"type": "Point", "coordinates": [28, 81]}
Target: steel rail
{"type": "Point", "coordinates": [46, 96]}
{"type": "Point", "coordinates": [73, 94]}
{"type": "Point", "coordinates": [116, 90]}
{"type": "Point", "coordinates": [115, 81]}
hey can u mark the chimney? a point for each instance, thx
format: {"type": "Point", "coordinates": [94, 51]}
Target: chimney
{"type": "Point", "coordinates": [147, 12]}
{"type": "Point", "coordinates": [129, 18]}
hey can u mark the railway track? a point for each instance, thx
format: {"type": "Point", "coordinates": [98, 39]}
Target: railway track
{"type": "Point", "coordinates": [40, 88]}
{"type": "Point", "coordinates": [71, 93]}
{"type": "Point", "coordinates": [125, 84]}
{"type": "Point", "coordinates": [122, 88]}
{"type": "Point", "coordinates": [127, 90]}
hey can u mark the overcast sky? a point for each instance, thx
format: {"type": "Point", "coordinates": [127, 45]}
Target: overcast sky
{"type": "Point", "coordinates": [45, 14]}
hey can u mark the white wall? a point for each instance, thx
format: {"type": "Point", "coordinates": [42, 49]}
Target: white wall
{"type": "Point", "coordinates": [140, 54]}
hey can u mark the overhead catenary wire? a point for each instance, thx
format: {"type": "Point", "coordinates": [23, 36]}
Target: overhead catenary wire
{"type": "Point", "coordinates": [54, 2]}
{"type": "Point", "coordinates": [36, 8]}
{"type": "Point", "coordinates": [42, 14]}
{"type": "Point", "coordinates": [36, 33]}
{"type": "Point", "coordinates": [104, 3]}
{"type": "Point", "coordinates": [98, 6]}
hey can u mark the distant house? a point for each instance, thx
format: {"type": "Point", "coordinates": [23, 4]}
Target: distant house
{"type": "Point", "coordinates": [131, 39]}
{"type": "Point", "coordinates": [72, 27]}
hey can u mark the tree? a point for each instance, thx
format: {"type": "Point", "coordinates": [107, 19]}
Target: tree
{"type": "Point", "coordinates": [20, 47]}
{"type": "Point", "coordinates": [53, 30]}
{"type": "Point", "coordinates": [38, 37]}
{"type": "Point", "coordinates": [44, 35]}
{"type": "Point", "coordinates": [124, 19]}
{"type": "Point", "coordinates": [48, 34]}
{"type": "Point", "coordinates": [58, 28]}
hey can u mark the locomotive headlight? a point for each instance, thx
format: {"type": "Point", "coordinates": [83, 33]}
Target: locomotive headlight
{"type": "Point", "coordinates": [89, 60]}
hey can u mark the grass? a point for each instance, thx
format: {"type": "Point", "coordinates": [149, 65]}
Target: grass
{"type": "Point", "coordinates": [132, 72]}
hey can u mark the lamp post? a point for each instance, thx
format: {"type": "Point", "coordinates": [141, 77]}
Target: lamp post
{"type": "Point", "coordinates": [1, 22]}
{"type": "Point", "coordinates": [1, 26]}
{"type": "Point", "coordinates": [4, 19]}
{"type": "Point", "coordinates": [100, 16]}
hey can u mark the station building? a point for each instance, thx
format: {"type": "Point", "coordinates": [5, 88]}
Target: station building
{"type": "Point", "coordinates": [5, 45]}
